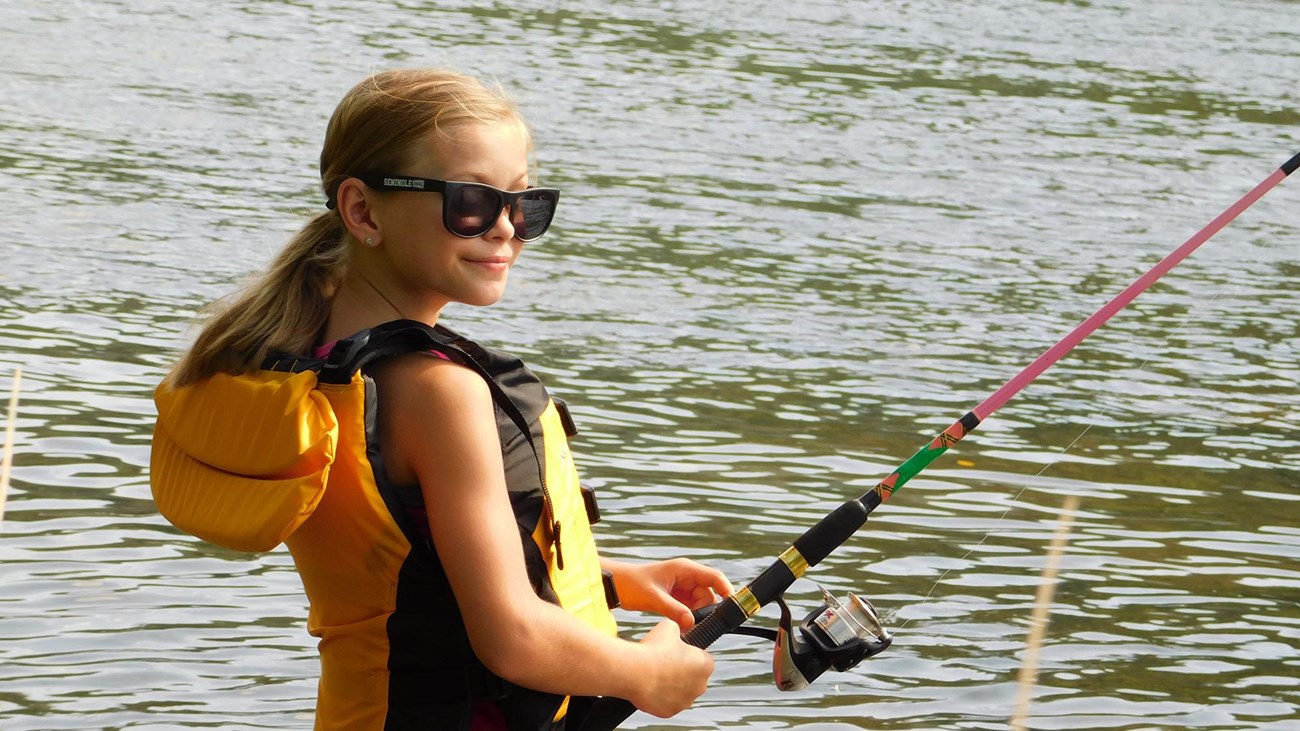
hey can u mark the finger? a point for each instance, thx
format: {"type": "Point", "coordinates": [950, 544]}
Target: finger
{"type": "Point", "coordinates": [723, 585]}
{"type": "Point", "coordinates": [663, 632]}
{"type": "Point", "coordinates": [702, 597]}
{"type": "Point", "coordinates": [713, 579]}
{"type": "Point", "coordinates": [678, 612]}
{"type": "Point", "coordinates": [685, 620]}
{"type": "Point", "coordinates": [718, 582]}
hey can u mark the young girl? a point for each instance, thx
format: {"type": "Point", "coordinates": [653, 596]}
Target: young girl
{"type": "Point", "coordinates": [421, 481]}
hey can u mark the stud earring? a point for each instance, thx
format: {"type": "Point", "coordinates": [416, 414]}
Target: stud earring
{"type": "Point", "coordinates": [370, 241]}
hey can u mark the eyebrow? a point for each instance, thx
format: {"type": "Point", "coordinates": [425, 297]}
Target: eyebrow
{"type": "Point", "coordinates": [471, 177]}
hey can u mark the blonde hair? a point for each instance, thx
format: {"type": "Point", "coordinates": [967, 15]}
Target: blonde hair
{"type": "Point", "coordinates": [375, 129]}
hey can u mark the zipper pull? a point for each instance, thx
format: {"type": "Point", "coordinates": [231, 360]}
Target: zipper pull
{"type": "Point", "coordinates": [559, 552]}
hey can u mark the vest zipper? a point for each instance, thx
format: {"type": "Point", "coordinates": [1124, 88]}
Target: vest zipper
{"type": "Point", "coordinates": [550, 511]}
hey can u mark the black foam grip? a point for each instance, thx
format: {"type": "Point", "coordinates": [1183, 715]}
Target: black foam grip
{"type": "Point", "coordinates": [724, 619]}
{"type": "Point", "coordinates": [831, 532]}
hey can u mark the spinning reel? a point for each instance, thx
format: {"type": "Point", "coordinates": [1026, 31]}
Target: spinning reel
{"type": "Point", "coordinates": [836, 635]}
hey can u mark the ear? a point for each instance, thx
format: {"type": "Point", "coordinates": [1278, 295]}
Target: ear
{"type": "Point", "coordinates": [356, 208]}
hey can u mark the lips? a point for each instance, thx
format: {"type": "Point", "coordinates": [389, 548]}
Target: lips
{"type": "Point", "coordinates": [495, 263]}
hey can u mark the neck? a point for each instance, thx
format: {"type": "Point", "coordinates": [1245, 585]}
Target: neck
{"type": "Point", "coordinates": [381, 295]}
{"type": "Point", "coordinates": [363, 301]}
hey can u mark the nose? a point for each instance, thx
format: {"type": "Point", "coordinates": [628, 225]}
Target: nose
{"type": "Point", "coordinates": [504, 227]}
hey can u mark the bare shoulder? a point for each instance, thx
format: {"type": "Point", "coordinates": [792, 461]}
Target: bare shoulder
{"type": "Point", "coordinates": [432, 412]}
{"type": "Point", "coordinates": [419, 381]}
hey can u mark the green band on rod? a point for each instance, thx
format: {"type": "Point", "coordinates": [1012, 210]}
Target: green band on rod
{"type": "Point", "coordinates": [917, 462]}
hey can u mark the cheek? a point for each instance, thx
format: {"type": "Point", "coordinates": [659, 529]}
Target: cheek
{"type": "Point", "coordinates": [414, 216]}
{"type": "Point", "coordinates": [415, 240]}
{"type": "Point", "coordinates": [424, 236]}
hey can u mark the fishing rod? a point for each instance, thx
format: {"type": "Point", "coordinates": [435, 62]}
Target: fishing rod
{"type": "Point", "coordinates": [823, 631]}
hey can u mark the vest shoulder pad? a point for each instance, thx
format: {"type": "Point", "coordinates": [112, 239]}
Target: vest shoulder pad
{"type": "Point", "coordinates": [241, 461]}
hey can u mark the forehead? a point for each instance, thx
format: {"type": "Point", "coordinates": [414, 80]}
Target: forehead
{"type": "Point", "coordinates": [490, 148]}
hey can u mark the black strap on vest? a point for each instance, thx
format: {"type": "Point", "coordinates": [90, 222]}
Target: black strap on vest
{"type": "Point", "coordinates": [397, 337]}
{"type": "Point", "coordinates": [354, 353]}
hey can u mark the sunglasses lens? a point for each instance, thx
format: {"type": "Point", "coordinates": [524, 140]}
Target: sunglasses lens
{"type": "Point", "coordinates": [531, 215]}
{"type": "Point", "coordinates": [472, 209]}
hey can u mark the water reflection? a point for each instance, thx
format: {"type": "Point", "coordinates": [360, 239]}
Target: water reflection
{"type": "Point", "coordinates": [799, 241]}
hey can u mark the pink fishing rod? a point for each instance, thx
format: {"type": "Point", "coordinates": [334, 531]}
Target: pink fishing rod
{"type": "Point", "coordinates": [963, 426]}
{"type": "Point", "coordinates": [832, 531]}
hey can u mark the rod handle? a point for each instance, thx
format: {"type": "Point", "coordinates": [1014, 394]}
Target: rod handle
{"type": "Point", "coordinates": [830, 532]}
{"type": "Point", "coordinates": [725, 618]}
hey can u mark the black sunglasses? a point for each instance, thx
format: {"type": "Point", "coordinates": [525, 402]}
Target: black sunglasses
{"type": "Point", "coordinates": [472, 209]}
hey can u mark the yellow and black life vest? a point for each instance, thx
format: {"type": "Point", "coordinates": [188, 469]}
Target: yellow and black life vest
{"type": "Point", "coordinates": [289, 454]}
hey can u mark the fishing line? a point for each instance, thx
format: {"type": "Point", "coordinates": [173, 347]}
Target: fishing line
{"type": "Point", "coordinates": [1110, 406]}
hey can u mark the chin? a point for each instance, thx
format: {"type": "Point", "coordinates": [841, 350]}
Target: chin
{"type": "Point", "coordinates": [483, 299]}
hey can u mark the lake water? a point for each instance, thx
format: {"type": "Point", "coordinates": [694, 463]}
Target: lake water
{"type": "Point", "coordinates": [797, 240]}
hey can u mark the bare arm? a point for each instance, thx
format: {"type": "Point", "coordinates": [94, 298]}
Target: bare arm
{"type": "Point", "coordinates": [439, 426]}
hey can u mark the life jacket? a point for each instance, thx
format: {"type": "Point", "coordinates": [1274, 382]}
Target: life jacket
{"type": "Point", "coordinates": [289, 453]}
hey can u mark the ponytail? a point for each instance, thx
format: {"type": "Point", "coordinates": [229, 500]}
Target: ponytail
{"type": "Point", "coordinates": [283, 310]}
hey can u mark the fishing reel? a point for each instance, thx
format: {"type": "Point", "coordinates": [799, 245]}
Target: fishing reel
{"type": "Point", "coordinates": [836, 635]}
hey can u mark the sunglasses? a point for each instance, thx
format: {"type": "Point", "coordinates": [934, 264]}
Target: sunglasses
{"type": "Point", "coordinates": [472, 209]}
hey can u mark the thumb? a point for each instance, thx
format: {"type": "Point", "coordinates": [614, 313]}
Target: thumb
{"type": "Point", "coordinates": [663, 632]}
